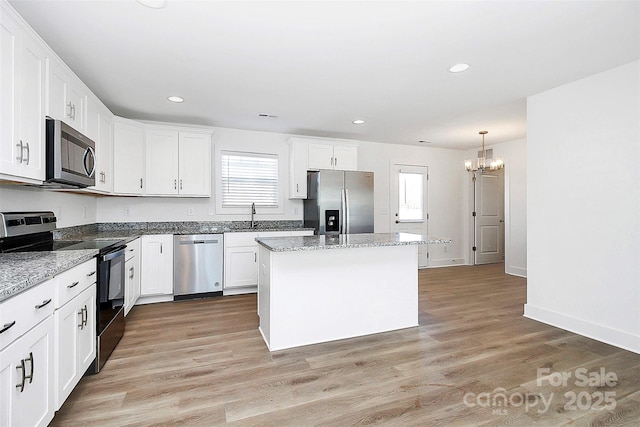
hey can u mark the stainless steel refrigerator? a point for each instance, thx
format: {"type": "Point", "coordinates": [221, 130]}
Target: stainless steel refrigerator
{"type": "Point", "coordinates": [339, 202]}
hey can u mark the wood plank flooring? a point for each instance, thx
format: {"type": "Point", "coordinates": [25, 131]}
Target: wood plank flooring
{"type": "Point", "coordinates": [203, 363]}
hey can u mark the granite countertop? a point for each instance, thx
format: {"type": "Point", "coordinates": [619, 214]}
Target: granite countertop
{"type": "Point", "coordinates": [368, 240]}
{"type": "Point", "coordinates": [131, 231]}
{"type": "Point", "coordinates": [20, 271]}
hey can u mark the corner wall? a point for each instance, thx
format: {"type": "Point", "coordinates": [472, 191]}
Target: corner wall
{"type": "Point", "coordinates": [583, 207]}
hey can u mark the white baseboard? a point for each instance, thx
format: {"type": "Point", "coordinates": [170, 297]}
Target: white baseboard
{"type": "Point", "coordinates": [615, 337]}
{"type": "Point", "coordinates": [446, 262]}
{"type": "Point", "coordinates": [240, 291]}
{"type": "Point", "coordinates": [516, 271]}
{"type": "Point", "coordinates": [153, 299]}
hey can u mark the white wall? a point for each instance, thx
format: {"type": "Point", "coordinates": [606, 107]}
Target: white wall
{"type": "Point", "coordinates": [70, 209]}
{"type": "Point", "coordinates": [583, 207]}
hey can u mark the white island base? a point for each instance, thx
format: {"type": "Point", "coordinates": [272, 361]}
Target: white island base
{"type": "Point", "coordinates": [313, 296]}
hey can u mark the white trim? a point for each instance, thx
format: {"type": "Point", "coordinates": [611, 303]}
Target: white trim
{"type": "Point", "coordinates": [615, 337]}
{"type": "Point", "coordinates": [446, 262]}
{"type": "Point", "coordinates": [516, 271]}
{"type": "Point", "coordinates": [153, 299]}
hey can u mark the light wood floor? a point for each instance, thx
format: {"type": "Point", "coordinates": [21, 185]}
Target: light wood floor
{"type": "Point", "coordinates": [204, 363]}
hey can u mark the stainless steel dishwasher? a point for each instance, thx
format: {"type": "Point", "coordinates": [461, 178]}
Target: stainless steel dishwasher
{"type": "Point", "coordinates": [197, 265]}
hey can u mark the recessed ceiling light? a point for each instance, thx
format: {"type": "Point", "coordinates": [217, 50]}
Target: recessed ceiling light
{"type": "Point", "coordinates": [176, 99]}
{"type": "Point", "coordinates": [153, 4]}
{"type": "Point", "coordinates": [358, 122]}
{"type": "Point", "coordinates": [458, 68]}
{"type": "Point", "coordinates": [269, 116]}
{"type": "Point", "coordinates": [422, 141]}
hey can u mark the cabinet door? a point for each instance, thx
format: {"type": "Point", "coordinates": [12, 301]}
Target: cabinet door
{"type": "Point", "coordinates": [68, 320]}
{"type": "Point", "coordinates": [161, 155]}
{"type": "Point", "coordinates": [320, 156]}
{"type": "Point", "coordinates": [132, 283]}
{"type": "Point", "coordinates": [195, 164]}
{"type": "Point", "coordinates": [67, 98]}
{"type": "Point", "coordinates": [32, 354]}
{"type": "Point", "coordinates": [10, 149]}
{"type": "Point", "coordinates": [87, 332]}
{"type": "Point", "coordinates": [299, 160]}
{"type": "Point", "coordinates": [241, 266]}
{"type": "Point", "coordinates": [128, 157]}
{"type": "Point", "coordinates": [104, 153]}
{"type": "Point", "coordinates": [32, 84]}
{"type": "Point", "coordinates": [345, 157]}
{"type": "Point", "coordinates": [157, 265]}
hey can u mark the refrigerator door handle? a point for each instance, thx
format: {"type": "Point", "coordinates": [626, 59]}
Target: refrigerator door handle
{"type": "Point", "coordinates": [347, 220]}
{"type": "Point", "coordinates": [343, 211]}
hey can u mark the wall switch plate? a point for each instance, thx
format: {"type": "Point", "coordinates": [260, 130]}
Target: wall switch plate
{"type": "Point", "coordinates": [295, 211]}
{"type": "Point", "coordinates": [127, 211]}
{"type": "Point", "coordinates": [190, 211]}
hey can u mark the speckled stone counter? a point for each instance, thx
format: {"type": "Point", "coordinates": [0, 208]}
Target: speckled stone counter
{"type": "Point", "coordinates": [132, 230]}
{"type": "Point", "coordinates": [342, 241]}
{"type": "Point", "coordinates": [20, 271]}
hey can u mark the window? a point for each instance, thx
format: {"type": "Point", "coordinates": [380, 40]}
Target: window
{"type": "Point", "coordinates": [411, 200]}
{"type": "Point", "coordinates": [249, 178]}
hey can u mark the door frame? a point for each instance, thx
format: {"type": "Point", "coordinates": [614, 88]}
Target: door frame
{"type": "Point", "coordinates": [392, 181]}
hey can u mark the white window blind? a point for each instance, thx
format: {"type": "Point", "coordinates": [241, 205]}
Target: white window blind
{"type": "Point", "coordinates": [249, 178]}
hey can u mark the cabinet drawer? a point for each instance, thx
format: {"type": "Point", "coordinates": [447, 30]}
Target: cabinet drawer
{"type": "Point", "coordinates": [240, 239]}
{"type": "Point", "coordinates": [75, 280]}
{"type": "Point", "coordinates": [26, 309]}
{"type": "Point", "coordinates": [133, 249]}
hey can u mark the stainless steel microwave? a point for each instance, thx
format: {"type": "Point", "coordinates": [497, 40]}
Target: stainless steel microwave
{"type": "Point", "coordinates": [71, 156]}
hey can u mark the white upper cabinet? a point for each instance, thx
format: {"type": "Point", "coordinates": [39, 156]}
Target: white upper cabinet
{"type": "Point", "coordinates": [22, 84]}
{"type": "Point", "coordinates": [100, 130]}
{"type": "Point", "coordinates": [161, 162]}
{"type": "Point", "coordinates": [67, 99]}
{"type": "Point", "coordinates": [178, 162]}
{"type": "Point", "coordinates": [333, 156]}
{"type": "Point", "coordinates": [195, 164]}
{"type": "Point", "coordinates": [298, 165]}
{"type": "Point", "coordinates": [128, 156]}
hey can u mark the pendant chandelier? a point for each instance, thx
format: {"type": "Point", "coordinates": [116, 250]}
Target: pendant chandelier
{"type": "Point", "coordinates": [482, 164]}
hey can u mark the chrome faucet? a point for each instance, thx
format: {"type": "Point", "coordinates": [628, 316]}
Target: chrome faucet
{"type": "Point", "coordinates": [253, 212]}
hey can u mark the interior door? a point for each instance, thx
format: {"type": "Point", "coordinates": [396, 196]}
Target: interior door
{"type": "Point", "coordinates": [489, 217]}
{"type": "Point", "coordinates": [409, 203]}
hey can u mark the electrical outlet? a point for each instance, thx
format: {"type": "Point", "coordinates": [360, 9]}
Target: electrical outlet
{"type": "Point", "coordinates": [190, 211]}
{"type": "Point", "coordinates": [445, 249]}
{"type": "Point", "coordinates": [212, 211]}
{"type": "Point", "coordinates": [127, 211]}
{"type": "Point", "coordinates": [84, 212]}
{"type": "Point", "coordinates": [295, 211]}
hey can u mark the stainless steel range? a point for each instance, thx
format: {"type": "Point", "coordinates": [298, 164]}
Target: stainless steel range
{"type": "Point", "coordinates": [33, 231]}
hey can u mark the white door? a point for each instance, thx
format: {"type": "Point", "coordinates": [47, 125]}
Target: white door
{"type": "Point", "coordinates": [489, 217]}
{"type": "Point", "coordinates": [409, 203]}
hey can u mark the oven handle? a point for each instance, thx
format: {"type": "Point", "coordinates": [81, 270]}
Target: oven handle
{"type": "Point", "coordinates": [113, 254]}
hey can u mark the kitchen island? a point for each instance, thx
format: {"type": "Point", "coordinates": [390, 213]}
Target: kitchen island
{"type": "Point", "coordinates": [315, 289]}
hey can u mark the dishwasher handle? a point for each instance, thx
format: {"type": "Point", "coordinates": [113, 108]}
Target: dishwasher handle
{"type": "Point", "coordinates": [198, 242]}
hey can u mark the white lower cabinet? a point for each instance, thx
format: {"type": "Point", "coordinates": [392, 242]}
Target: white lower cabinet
{"type": "Point", "coordinates": [157, 265]}
{"type": "Point", "coordinates": [132, 275]}
{"type": "Point", "coordinates": [75, 325]}
{"type": "Point", "coordinates": [75, 346]}
{"type": "Point", "coordinates": [241, 258]}
{"type": "Point", "coordinates": [26, 378]}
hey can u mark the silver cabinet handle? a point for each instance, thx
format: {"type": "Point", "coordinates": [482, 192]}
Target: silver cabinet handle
{"type": "Point", "coordinates": [131, 273]}
{"type": "Point", "coordinates": [81, 314]}
{"type": "Point", "coordinates": [28, 153]}
{"type": "Point", "coordinates": [69, 108]}
{"type": "Point", "coordinates": [43, 303]}
{"type": "Point", "coordinates": [91, 274]}
{"type": "Point", "coordinates": [73, 285]}
{"type": "Point", "coordinates": [160, 247]}
{"type": "Point", "coordinates": [30, 376]}
{"type": "Point", "coordinates": [297, 188]}
{"type": "Point", "coordinates": [7, 326]}
{"type": "Point", "coordinates": [335, 163]}
{"type": "Point", "coordinates": [140, 182]}
{"type": "Point", "coordinates": [85, 316]}
{"type": "Point", "coordinates": [74, 111]}
{"type": "Point", "coordinates": [255, 257]}
{"type": "Point", "coordinates": [175, 184]}
{"type": "Point", "coordinates": [21, 157]}
{"type": "Point", "coordinates": [181, 184]}
{"type": "Point", "coordinates": [24, 375]}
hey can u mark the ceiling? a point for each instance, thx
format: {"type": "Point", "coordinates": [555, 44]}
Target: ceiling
{"type": "Point", "coordinates": [318, 65]}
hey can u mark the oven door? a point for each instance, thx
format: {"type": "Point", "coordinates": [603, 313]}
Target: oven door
{"type": "Point", "coordinates": [111, 279]}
